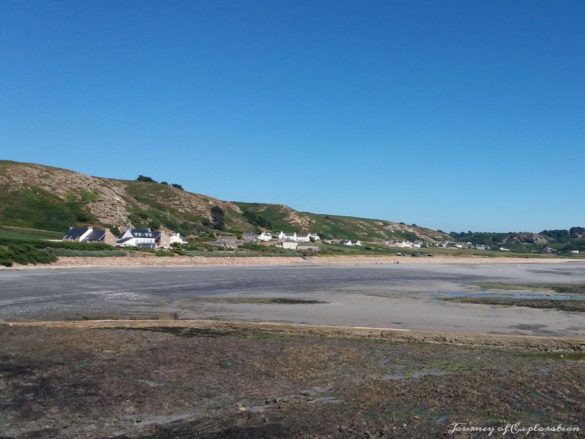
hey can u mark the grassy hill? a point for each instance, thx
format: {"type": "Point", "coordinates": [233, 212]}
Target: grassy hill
{"type": "Point", "coordinates": [42, 198]}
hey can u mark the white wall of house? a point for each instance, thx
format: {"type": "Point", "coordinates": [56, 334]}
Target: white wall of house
{"type": "Point", "coordinates": [139, 242]}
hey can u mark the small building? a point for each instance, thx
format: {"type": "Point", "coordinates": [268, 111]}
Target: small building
{"type": "Point", "coordinates": [249, 237]}
{"type": "Point", "coordinates": [265, 237]}
{"type": "Point", "coordinates": [351, 243]}
{"type": "Point", "coordinates": [574, 252]}
{"type": "Point", "coordinates": [89, 234]}
{"type": "Point", "coordinates": [177, 239]}
{"type": "Point", "coordinates": [313, 237]}
{"type": "Point", "coordinates": [503, 249]}
{"type": "Point", "coordinates": [228, 242]}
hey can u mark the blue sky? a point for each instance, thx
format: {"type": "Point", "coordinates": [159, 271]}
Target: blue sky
{"type": "Point", "coordinates": [458, 115]}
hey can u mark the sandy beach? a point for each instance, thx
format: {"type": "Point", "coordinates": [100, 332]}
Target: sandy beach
{"type": "Point", "coordinates": [182, 261]}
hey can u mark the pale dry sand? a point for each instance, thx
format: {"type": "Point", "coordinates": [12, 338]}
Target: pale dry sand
{"type": "Point", "coordinates": [181, 261]}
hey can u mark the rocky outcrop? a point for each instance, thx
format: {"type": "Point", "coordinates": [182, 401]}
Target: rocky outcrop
{"type": "Point", "coordinates": [525, 238]}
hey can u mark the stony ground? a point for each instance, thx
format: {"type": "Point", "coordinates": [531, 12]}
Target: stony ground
{"type": "Point", "coordinates": [219, 382]}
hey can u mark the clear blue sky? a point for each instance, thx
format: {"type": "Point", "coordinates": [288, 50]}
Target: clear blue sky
{"type": "Point", "coordinates": [458, 115]}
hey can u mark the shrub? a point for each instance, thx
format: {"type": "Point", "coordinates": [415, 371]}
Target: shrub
{"type": "Point", "coordinates": [257, 219]}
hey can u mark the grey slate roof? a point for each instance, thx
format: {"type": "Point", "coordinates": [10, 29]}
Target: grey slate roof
{"type": "Point", "coordinates": [144, 233]}
{"type": "Point", "coordinates": [74, 233]}
{"type": "Point", "coordinates": [96, 235]}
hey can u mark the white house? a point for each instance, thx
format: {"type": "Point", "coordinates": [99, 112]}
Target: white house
{"type": "Point", "coordinates": [404, 244]}
{"type": "Point", "coordinates": [314, 237]}
{"type": "Point", "coordinates": [265, 236]}
{"type": "Point", "coordinates": [353, 243]}
{"type": "Point", "coordinates": [177, 239]}
{"type": "Point", "coordinates": [144, 238]}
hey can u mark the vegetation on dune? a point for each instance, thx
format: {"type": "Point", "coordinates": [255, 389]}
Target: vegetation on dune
{"type": "Point", "coordinates": [39, 251]}
{"type": "Point", "coordinates": [23, 253]}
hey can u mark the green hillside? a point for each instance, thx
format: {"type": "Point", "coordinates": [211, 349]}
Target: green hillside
{"type": "Point", "coordinates": [46, 198]}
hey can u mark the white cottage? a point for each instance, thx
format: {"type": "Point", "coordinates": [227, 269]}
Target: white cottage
{"type": "Point", "coordinates": [265, 236]}
{"type": "Point", "coordinates": [177, 239]}
{"type": "Point", "coordinates": [143, 238]}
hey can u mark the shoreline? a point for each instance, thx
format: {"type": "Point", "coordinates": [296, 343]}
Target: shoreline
{"type": "Point", "coordinates": [199, 261]}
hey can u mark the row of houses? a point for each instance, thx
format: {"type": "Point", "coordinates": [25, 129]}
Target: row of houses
{"type": "Point", "coordinates": [131, 237]}
{"type": "Point", "coordinates": [292, 241]}
{"type": "Point", "coordinates": [281, 237]}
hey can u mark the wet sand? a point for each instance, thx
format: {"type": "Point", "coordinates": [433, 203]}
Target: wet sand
{"type": "Point", "coordinates": [403, 296]}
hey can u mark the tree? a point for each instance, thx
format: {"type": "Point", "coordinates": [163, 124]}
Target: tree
{"type": "Point", "coordinates": [145, 179]}
{"type": "Point", "coordinates": [217, 218]}
{"type": "Point", "coordinates": [178, 186]}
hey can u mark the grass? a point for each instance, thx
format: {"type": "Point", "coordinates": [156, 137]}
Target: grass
{"type": "Point", "coordinates": [25, 233]}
